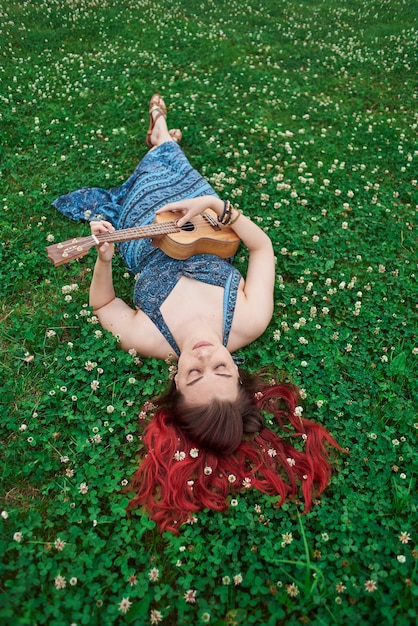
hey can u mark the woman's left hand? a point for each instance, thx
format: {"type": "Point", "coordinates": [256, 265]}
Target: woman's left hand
{"type": "Point", "coordinates": [190, 208]}
{"type": "Point", "coordinates": [105, 250]}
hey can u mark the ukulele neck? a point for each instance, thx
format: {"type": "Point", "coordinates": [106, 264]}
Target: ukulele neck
{"type": "Point", "coordinates": [138, 232]}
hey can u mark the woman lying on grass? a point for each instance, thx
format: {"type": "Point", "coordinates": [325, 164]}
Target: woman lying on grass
{"type": "Point", "coordinates": [207, 437]}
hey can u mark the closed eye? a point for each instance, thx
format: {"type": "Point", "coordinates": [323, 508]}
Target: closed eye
{"type": "Point", "coordinates": [196, 370]}
{"type": "Point", "coordinates": [196, 380]}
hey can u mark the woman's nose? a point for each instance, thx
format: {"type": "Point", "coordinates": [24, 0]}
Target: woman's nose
{"type": "Point", "coordinates": [203, 354]}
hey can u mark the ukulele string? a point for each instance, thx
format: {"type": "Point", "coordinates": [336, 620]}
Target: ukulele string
{"type": "Point", "coordinates": [138, 232]}
{"type": "Point", "coordinates": [78, 245]}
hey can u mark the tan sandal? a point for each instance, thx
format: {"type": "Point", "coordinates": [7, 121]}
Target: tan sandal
{"type": "Point", "coordinates": [156, 104]}
{"type": "Point", "coordinates": [175, 134]}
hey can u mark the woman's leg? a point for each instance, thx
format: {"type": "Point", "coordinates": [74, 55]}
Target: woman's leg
{"type": "Point", "coordinates": [158, 132]}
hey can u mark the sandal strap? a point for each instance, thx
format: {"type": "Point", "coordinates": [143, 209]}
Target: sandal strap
{"type": "Point", "coordinates": [155, 107]}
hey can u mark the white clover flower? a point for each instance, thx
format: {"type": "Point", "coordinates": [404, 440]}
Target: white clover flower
{"type": "Point", "coordinates": [287, 538]}
{"type": "Point", "coordinates": [60, 582]}
{"type": "Point", "coordinates": [155, 616]}
{"type": "Point", "coordinates": [370, 586]}
{"type": "Point", "coordinates": [124, 605]}
{"type": "Point", "coordinates": [59, 544]}
{"type": "Point", "coordinates": [292, 590]}
{"type": "Point", "coordinates": [190, 596]}
{"type": "Point", "coordinates": [154, 574]}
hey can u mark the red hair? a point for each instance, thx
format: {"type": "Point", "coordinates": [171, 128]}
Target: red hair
{"type": "Point", "coordinates": [180, 475]}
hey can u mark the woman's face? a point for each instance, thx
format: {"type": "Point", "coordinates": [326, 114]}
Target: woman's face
{"type": "Point", "coordinates": [206, 372]}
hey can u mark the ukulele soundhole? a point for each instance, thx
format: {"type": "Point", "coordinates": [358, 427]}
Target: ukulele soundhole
{"type": "Point", "coordinates": [188, 227]}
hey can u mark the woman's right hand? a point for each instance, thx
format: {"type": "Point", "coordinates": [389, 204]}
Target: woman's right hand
{"type": "Point", "coordinates": [106, 250]}
{"type": "Point", "coordinates": [191, 207]}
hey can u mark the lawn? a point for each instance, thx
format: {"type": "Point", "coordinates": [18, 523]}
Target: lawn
{"type": "Point", "coordinates": [304, 115]}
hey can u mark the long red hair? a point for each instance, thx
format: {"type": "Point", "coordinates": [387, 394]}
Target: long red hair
{"type": "Point", "coordinates": [181, 474]}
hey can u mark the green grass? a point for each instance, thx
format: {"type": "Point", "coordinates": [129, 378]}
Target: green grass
{"type": "Point", "coordinates": [304, 115]}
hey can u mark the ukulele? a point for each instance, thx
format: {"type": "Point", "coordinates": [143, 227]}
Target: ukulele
{"type": "Point", "coordinates": [201, 235]}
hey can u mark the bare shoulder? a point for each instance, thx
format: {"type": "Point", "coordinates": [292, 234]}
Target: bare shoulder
{"type": "Point", "coordinates": [251, 318]}
{"type": "Point", "coordinates": [133, 328]}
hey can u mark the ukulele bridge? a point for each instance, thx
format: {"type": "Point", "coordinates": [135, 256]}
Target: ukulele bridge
{"type": "Point", "coordinates": [212, 221]}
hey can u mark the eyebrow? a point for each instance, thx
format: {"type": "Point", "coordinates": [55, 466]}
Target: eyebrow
{"type": "Point", "coordinates": [196, 380]}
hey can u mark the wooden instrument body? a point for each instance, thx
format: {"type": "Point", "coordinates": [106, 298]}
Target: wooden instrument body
{"type": "Point", "coordinates": [198, 236]}
{"type": "Point", "coordinates": [201, 235]}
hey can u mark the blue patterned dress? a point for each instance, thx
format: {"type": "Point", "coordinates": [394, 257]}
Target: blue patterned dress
{"type": "Point", "coordinates": [164, 175]}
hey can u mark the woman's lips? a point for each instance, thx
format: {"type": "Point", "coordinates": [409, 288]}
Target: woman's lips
{"type": "Point", "coordinates": [201, 344]}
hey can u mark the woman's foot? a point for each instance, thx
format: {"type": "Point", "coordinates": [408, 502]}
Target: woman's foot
{"type": "Point", "coordinates": [157, 109]}
{"type": "Point", "coordinates": [176, 134]}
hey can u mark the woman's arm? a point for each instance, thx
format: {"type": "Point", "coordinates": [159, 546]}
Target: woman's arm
{"type": "Point", "coordinates": [259, 281]}
{"type": "Point", "coordinates": [112, 312]}
{"type": "Point", "coordinates": [101, 288]}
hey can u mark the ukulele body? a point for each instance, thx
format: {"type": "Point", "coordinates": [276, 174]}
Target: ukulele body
{"type": "Point", "coordinates": [201, 235]}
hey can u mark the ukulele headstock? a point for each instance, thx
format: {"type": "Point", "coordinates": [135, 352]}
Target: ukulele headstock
{"type": "Point", "coordinates": [66, 251]}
